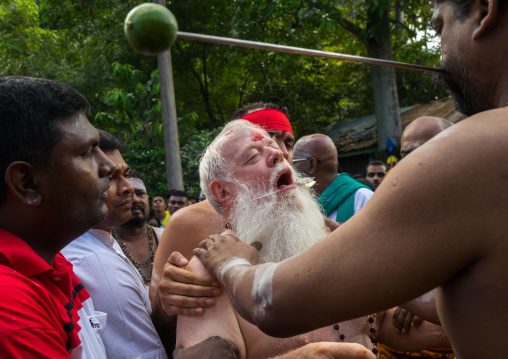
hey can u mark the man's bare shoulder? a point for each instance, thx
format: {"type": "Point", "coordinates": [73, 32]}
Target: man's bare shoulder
{"type": "Point", "coordinates": [189, 226]}
{"type": "Point", "coordinates": [476, 135]}
{"type": "Point", "coordinates": [201, 212]}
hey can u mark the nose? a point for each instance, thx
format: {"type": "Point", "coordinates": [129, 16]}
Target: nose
{"type": "Point", "coordinates": [106, 165]}
{"type": "Point", "coordinates": [282, 147]}
{"type": "Point", "coordinates": [125, 186]}
{"type": "Point", "coordinates": [135, 198]}
{"type": "Point", "coordinates": [275, 156]}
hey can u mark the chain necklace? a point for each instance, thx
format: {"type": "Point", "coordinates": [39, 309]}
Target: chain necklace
{"type": "Point", "coordinates": [128, 254]}
{"type": "Point", "coordinates": [372, 333]}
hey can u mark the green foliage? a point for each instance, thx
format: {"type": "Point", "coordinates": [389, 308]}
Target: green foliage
{"type": "Point", "coordinates": [133, 114]}
{"type": "Point", "coordinates": [77, 41]}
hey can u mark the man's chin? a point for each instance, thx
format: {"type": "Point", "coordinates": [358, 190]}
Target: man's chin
{"type": "Point", "coordinates": [136, 221]}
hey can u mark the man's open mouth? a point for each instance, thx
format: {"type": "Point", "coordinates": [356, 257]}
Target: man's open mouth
{"type": "Point", "coordinates": [285, 181]}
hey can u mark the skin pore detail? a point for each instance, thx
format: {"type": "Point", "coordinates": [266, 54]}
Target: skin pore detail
{"type": "Point", "coordinates": [262, 289]}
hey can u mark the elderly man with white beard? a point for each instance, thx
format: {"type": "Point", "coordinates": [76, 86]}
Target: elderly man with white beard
{"type": "Point", "coordinates": [254, 190]}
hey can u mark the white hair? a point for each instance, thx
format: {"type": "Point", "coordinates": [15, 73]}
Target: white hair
{"type": "Point", "coordinates": [213, 166]}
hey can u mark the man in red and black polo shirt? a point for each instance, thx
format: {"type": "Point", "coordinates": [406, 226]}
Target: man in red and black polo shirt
{"type": "Point", "coordinates": [52, 189]}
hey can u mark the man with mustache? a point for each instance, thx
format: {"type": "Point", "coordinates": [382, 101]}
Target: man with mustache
{"type": "Point", "coordinates": [115, 285]}
{"type": "Point", "coordinates": [452, 230]}
{"type": "Point", "coordinates": [138, 240]}
{"type": "Point", "coordinates": [52, 189]}
{"type": "Point", "coordinates": [237, 172]}
{"type": "Point", "coordinates": [169, 291]}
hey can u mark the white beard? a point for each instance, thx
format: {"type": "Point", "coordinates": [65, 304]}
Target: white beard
{"type": "Point", "coordinates": [286, 223]}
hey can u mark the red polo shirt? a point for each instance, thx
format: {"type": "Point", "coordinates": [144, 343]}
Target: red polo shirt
{"type": "Point", "coordinates": [38, 304]}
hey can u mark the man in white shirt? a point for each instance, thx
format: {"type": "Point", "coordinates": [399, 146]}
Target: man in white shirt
{"type": "Point", "coordinates": [113, 282]}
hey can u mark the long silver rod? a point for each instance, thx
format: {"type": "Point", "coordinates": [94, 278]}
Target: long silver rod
{"type": "Point", "coordinates": [302, 51]}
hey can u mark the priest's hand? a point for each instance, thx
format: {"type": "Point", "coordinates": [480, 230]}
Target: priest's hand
{"type": "Point", "coordinates": [221, 252]}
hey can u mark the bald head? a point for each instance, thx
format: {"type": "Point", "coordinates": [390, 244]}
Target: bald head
{"type": "Point", "coordinates": [420, 131]}
{"type": "Point", "coordinates": [320, 148]}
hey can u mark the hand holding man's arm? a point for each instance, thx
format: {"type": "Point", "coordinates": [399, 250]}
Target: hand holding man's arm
{"type": "Point", "coordinates": [425, 307]}
{"type": "Point", "coordinates": [182, 292]}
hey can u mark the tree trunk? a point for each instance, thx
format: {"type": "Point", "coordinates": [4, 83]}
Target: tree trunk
{"type": "Point", "coordinates": [386, 98]}
{"type": "Point", "coordinates": [169, 119]}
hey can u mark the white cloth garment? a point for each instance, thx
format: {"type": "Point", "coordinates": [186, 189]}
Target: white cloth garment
{"type": "Point", "coordinates": [92, 325]}
{"type": "Point", "coordinates": [117, 289]}
{"type": "Point", "coordinates": [362, 196]}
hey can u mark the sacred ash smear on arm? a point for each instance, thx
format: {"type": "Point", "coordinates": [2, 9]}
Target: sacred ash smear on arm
{"type": "Point", "coordinates": [261, 285]}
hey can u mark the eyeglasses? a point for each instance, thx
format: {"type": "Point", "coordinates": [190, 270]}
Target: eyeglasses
{"type": "Point", "coordinates": [305, 159]}
{"type": "Point", "coordinates": [373, 174]}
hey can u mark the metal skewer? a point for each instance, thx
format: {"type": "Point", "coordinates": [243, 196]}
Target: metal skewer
{"type": "Point", "coordinates": [265, 195]}
{"type": "Point", "coordinates": [302, 51]}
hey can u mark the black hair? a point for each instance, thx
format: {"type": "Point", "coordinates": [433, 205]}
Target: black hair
{"type": "Point", "coordinates": [169, 193]}
{"type": "Point", "coordinates": [149, 218]}
{"type": "Point", "coordinates": [242, 111]}
{"type": "Point", "coordinates": [108, 142]}
{"type": "Point", "coordinates": [29, 110]}
{"type": "Point", "coordinates": [366, 182]}
{"type": "Point", "coordinates": [135, 174]}
{"type": "Point", "coordinates": [462, 7]}
{"type": "Point", "coordinates": [178, 193]}
{"type": "Point", "coordinates": [160, 195]}
{"type": "Point", "coordinates": [376, 163]}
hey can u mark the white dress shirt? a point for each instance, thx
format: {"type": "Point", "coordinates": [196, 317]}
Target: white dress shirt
{"type": "Point", "coordinates": [117, 289]}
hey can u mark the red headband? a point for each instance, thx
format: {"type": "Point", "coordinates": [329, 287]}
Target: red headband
{"type": "Point", "coordinates": [269, 119]}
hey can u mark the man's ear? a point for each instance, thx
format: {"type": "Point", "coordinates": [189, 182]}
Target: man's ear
{"type": "Point", "coordinates": [488, 14]}
{"type": "Point", "coordinates": [220, 190]}
{"type": "Point", "coordinates": [313, 164]}
{"type": "Point", "coordinates": [23, 181]}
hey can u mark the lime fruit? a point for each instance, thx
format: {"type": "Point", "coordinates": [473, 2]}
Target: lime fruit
{"type": "Point", "coordinates": [150, 28]}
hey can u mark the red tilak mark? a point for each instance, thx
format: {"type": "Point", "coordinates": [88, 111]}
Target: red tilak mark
{"type": "Point", "coordinates": [256, 137]}
{"type": "Point", "coordinates": [227, 134]}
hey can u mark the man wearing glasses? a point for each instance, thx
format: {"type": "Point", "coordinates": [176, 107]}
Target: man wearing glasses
{"type": "Point", "coordinates": [339, 194]}
{"type": "Point", "coordinates": [376, 171]}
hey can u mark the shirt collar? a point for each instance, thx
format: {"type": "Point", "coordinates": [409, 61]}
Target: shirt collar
{"type": "Point", "coordinates": [20, 255]}
{"type": "Point", "coordinates": [103, 236]}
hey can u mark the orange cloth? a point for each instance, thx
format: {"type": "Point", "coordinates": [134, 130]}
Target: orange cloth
{"type": "Point", "coordinates": [436, 353]}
